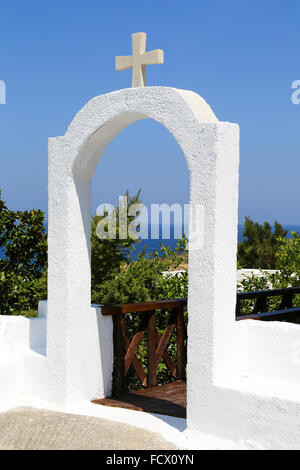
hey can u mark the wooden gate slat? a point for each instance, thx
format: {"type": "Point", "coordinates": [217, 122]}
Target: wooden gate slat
{"type": "Point", "coordinates": [152, 374]}
{"type": "Point", "coordinates": [118, 355]}
{"type": "Point", "coordinates": [140, 371]}
{"type": "Point", "coordinates": [132, 349]}
{"type": "Point", "coordinates": [164, 340]}
{"type": "Point", "coordinates": [180, 332]}
{"type": "Point", "coordinates": [135, 362]}
{"type": "Point", "coordinates": [167, 358]}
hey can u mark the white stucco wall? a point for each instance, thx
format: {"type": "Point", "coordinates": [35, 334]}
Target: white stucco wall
{"type": "Point", "coordinates": [211, 151]}
{"type": "Point", "coordinates": [25, 367]}
{"type": "Point", "coordinates": [272, 351]}
{"type": "Point", "coordinates": [19, 336]}
{"type": "Point", "coordinates": [258, 408]}
{"type": "Point", "coordinates": [242, 378]}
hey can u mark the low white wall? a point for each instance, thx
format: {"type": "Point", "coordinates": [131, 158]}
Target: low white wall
{"type": "Point", "coordinates": [14, 335]}
{"type": "Point", "coordinates": [25, 367]}
{"type": "Point", "coordinates": [271, 350]}
{"type": "Point", "coordinates": [257, 405]}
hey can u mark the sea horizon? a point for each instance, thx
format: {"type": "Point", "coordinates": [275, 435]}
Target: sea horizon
{"type": "Point", "coordinates": [154, 244]}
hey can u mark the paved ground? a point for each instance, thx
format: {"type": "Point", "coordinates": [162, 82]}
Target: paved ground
{"type": "Point", "coordinates": [28, 428]}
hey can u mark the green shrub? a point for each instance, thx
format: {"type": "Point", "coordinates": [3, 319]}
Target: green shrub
{"type": "Point", "coordinates": [108, 255]}
{"type": "Point", "coordinates": [260, 244]}
{"type": "Point", "coordinates": [24, 241]}
{"type": "Point", "coordinates": [287, 263]}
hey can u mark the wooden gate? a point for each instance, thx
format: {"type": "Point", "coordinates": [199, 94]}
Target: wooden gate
{"type": "Point", "coordinates": [125, 351]}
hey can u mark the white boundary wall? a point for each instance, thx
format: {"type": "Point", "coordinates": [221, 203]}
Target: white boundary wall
{"type": "Point", "coordinates": [237, 392]}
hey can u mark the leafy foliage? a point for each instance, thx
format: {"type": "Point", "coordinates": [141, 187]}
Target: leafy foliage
{"type": "Point", "coordinates": [24, 242]}
{"type": "Point", "coordinates": [108, 255]}
{"type": "Point", "coordinates": [260, 244]}
{"type": "Point", "coordinates": [287, 259]}
{"type": "Point", "coordinates": [143, 280]}
{"type": "Point", "coordinates": [287, 262]}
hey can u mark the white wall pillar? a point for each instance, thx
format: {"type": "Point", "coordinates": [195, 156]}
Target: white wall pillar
{"type": "Point", "coordinates": [212, 270]}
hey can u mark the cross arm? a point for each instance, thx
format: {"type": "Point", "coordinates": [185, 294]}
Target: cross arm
{"type": "Point", "coordinates": [123, 62]}
{"type": "Point", "coordinates": [153, 57]}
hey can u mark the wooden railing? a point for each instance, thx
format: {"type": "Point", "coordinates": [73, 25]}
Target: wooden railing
{"type": "Point", "coordinates": [261, 309]}
{"type": "Point", "coordinates": [125, 351]}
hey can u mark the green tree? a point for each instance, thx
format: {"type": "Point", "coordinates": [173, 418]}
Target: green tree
{"type": "Point", "coordinates": [287, 258]}
{"type": "Point", "coordinates": [287, 263]}
{"type": "Point", "coordinates": [108, 255]}
{"type": "Point", "coordinates": [260, 244]}
{"type": "Point", "coordinates": [23, 241]}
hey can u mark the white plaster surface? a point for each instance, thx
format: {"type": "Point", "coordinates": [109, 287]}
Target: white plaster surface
{"type": "Point", "coordinates": [18, 337]}
{"type": "Point", "coordinates": [72, 161]}
{"type": "Point", "coordinates": [243, 379]}
{"type": "Point", "coordinates": [264, 397]}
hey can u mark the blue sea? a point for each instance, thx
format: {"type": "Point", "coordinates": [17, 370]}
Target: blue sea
{"type": "Point", "coordinates": [155, 244]}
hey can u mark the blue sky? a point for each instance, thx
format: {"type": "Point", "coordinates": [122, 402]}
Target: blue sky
{"type": "Point", "coordinates": [241, 56]}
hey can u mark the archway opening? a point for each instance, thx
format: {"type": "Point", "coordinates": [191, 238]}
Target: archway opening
{"type": "Point", "coordinates": [142, 272]}
{"type": "Point", "coordinates": [77, 348]}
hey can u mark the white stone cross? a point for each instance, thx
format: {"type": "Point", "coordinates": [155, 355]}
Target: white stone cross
{"type": "Point", "coordinates": [139, 59]}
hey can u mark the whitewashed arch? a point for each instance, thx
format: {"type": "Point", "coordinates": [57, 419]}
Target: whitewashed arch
{"type": "Point", "coordinates": [211, 149]}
